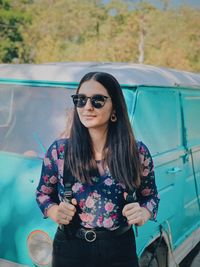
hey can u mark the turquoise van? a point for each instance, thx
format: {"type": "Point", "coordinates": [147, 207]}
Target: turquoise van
{"type": "Point", "coordinates": [164, 110]}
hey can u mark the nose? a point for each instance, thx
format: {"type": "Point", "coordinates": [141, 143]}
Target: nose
{"type": "Point", "coordinates": [88, 104]}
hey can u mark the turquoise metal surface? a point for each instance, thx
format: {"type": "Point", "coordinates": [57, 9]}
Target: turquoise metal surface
{"type": "Point", "coordinates": [32, 115]}
{"type": "Point", "coordinates": [19, 212]}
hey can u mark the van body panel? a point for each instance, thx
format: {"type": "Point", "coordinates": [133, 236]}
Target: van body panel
{"type": "Point", "coordinates": [191, 114]}
{"type": "Point", "coordinates": [158, 123]}
{"type": "Point", "coordinates": [191, 111]}
{"type": "Point", "coordinates": [34, 100]}
{"type": "Point", "coordinates": [19, 212]}
{"type": "Point", "coordinates": [182, 214]}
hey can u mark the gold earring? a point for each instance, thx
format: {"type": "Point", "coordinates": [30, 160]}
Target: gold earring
{"type": "Point", "coordinates": [113, 117]}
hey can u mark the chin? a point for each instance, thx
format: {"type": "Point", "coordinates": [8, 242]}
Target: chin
{"type": "Point", "coordinates": [90, 125]}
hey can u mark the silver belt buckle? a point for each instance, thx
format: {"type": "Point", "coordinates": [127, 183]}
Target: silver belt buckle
{"type": "Point", "coordinates": [87, 235]}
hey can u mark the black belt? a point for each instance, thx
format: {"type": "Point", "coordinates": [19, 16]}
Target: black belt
{"type": "Point", "coordinates": [90, 235]}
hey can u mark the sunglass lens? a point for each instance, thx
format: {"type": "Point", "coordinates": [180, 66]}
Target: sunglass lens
{"type": "Point", "coordinates": [79, 100]}
{"type": "Point", "coordinates": [98, 101]}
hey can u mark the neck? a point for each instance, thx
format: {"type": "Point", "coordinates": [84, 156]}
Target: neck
{"type": "Point", "coordinates": [98, 141]}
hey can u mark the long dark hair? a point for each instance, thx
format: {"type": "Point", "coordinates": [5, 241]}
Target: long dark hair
{"type": "Point", "coordinates": [120, 150]}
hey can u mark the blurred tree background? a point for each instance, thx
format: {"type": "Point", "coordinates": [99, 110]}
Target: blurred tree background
{"type": "Point", "coordinates": [38, 31]}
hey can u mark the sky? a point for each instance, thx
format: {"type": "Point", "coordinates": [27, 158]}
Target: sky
{"type": "Point", "coordinates": [173, 3]}
{"type": "Point", "coordinates": [176, 3]}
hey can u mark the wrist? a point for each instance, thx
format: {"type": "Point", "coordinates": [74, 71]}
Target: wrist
{"type": "Point", "coordinates": [146, 215]}
{"type": "Point", "coordinates": [52, 212]}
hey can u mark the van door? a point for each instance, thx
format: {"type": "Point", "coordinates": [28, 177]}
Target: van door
{"type": "Point", "coordinates": [190, 100]}
{"type": "Point", "coordinates": [157, 122]}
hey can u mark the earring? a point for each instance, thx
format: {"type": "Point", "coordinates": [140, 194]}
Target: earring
{"type": "Point", "coordinates": [113, 117]}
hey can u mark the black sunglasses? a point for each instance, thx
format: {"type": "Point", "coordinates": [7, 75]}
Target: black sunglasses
{"type": "Point", "coordinates": [97, 101]}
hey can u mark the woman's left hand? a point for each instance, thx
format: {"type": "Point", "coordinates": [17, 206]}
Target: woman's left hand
{"type": "Point", "coordinates": [136, 214]}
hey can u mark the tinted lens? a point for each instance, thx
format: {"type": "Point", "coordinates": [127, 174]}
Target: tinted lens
{"type": "Point", "coordinates": [98, 101]}
{"type": "Point", "coordinates": [79, 100]}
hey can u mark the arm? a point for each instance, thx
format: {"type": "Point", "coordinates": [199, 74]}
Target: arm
{"type": "Point", "coordinates": [147, 193]}
{"type": "Point", "coordinates": [146, 207]}
{"type": "Point", "coordinates": [47, 192]}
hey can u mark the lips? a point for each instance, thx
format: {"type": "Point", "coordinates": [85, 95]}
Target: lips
{"type": "Point", "coordinates": [89, 116]}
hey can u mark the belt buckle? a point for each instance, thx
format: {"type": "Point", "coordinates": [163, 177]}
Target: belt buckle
{"type": "Point", "coordinates": [87, 234]}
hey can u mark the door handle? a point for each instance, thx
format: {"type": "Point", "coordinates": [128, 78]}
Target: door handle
{"type": "Point", "coordinates": [174, 170]}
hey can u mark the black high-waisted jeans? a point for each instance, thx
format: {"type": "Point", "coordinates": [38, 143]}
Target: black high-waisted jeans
{"type": "Point", "coordinates": [118, 251]}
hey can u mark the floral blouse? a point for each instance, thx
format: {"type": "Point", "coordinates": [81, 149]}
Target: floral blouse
{"type": "Point", "coordinates": [99, 204]}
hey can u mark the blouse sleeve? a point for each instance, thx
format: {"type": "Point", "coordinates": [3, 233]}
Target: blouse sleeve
{"type": "Point", "coordinates": [147, 192]}
{"type": "Point", "coordinates": [46, 192]}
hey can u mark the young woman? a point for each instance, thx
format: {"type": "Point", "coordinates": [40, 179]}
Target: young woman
{"type": "Point", "coordinates": [101, 163]}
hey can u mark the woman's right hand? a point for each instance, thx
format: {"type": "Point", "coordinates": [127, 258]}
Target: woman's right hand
{"type": "Point", "coordinates": [62, 213]}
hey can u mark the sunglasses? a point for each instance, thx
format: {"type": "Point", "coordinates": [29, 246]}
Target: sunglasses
{"type": "Point", "coordinates": [97, 101]}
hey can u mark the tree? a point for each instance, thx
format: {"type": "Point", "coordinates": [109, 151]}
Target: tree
{"type": "Point", "coordinates": [173, 39]}
{"type": "Point", "coordinates": [89, 30]}
{"type": "Point", "coordinates": [12, 22]}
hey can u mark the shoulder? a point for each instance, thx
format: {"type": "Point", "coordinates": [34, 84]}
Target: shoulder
{"type": "Point", "coordinates": [58, 146]}
{"type": "Point", "coordinates": [60, 142]}
{"type": "Point", "coordinates": [144, 155]}
{"type": "Point", "coordinates": [142, 148]}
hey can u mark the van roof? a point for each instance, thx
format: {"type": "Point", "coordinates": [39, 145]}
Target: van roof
{"type": "Point", "coordinates": [126, 73]}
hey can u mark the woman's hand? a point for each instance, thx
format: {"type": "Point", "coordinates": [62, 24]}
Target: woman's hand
{"type": "Point", "coordinates": [62, 213]}
{"type": "Point", "coordinates": [136, 214]}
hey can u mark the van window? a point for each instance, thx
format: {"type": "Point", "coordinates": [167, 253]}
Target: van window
{"type": "Point", "coordinates": [156, 120]}
{"type": "Point", "coordinates": [191, 104]}
{"type": "Point", "coordinates": [31, 118]}
{"type": "Point", "coordinates": [6, 105]}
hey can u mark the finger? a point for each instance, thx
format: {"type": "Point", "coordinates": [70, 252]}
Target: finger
{"type": "Point", "coordinates": [67, 206]}
{"type": "Point", "coordinates": [65, 220]}
{"type": "Point", "coordinates": [125, 195]}
{"type": "Point", "coordinates": [62, 220]}
{"type": "Point", "coordinates": [129, 207]}
{"type": "Point", "coordinates": [133, 221]}
{"type": "Point", "coordinates": [133, 212]}
{"type": "Point", "coordinates": [68, 213]}
{"type": "Point", "coordinates": [74, 201]}
{"type": "Point", "coordinates": [64, 210]}
{"type": "Point", "coordinates": [134, 216]}
{"type": "Point", "coordinates": [68, 218]}
{"type": "Point", "coordinates": [71, 206]}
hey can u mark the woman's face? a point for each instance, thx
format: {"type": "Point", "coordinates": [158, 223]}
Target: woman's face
{"type": "Point", "coordinates": [90, 116]}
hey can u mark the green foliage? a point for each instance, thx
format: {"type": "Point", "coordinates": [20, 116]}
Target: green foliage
{"type": "Point", "coordinates": [174, 40]}
{"type": "Point", "coordinates": [88, 30]}
{"type": "Point", "coordinates": [12, 24]}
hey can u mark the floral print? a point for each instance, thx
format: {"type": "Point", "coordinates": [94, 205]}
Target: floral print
{"type": "Point", "coordinates": [99, 204]}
